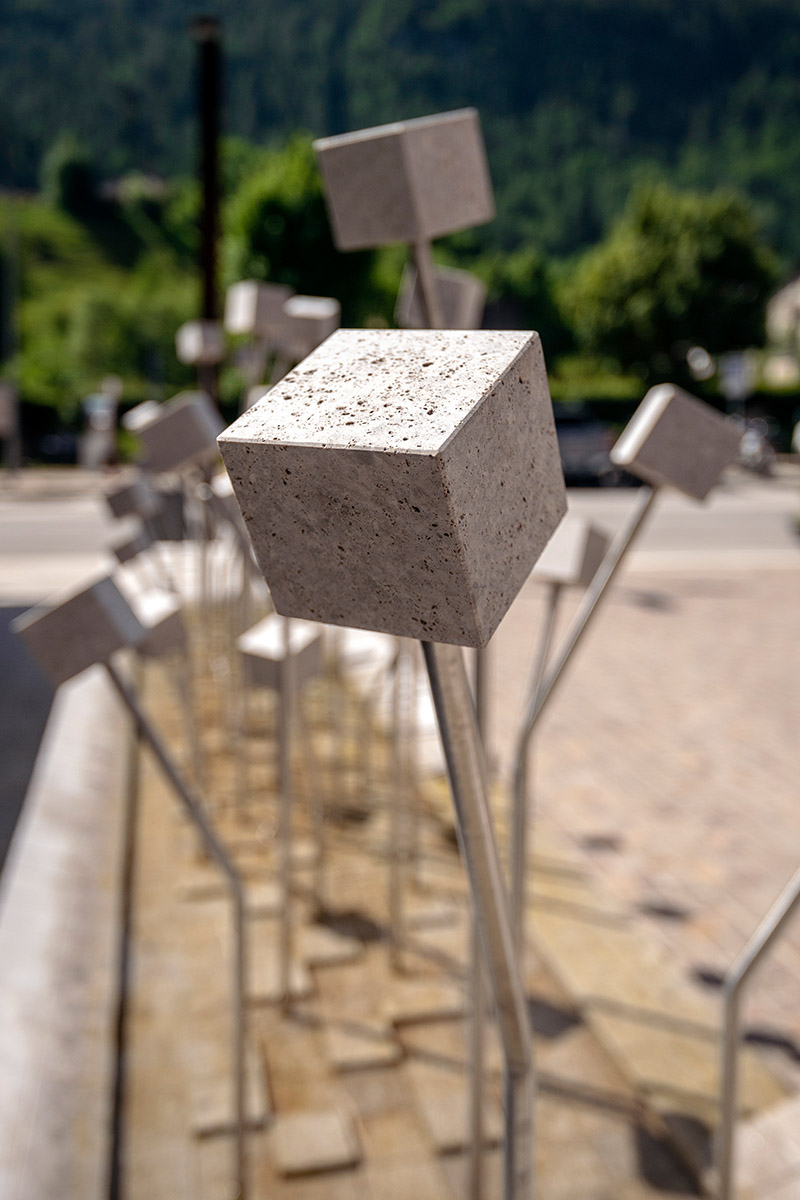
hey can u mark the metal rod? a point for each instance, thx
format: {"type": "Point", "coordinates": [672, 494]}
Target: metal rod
{"type": "Point", "coordinates": [217, 851]}
{"type": "Point", "coordinates": [402, 701]}
{"type": "Point", "coordinates": [588, 606]}
{"type": "Point", "coordinates": [518, 824]}
{"type": "Point", "coordinates": [468, 783]}
{"type": "Point", "coordinates": [429, 292]}
{"type": "Point", "coordinates": [755, 949]}
{"type": "Point", "coordinates": [286, 704]}
{"type": "Point", "coordinates": [477, 1019]}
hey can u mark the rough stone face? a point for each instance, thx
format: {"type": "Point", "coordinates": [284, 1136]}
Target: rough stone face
{"type": "Point", "coordinates": [261, 648]}
{"type": "Point", "coordinates": [573, 554]}
{"type": "Point", "coordinates": [674, 439]}
{"type": "Point", "coordinates": [402, 481]}
{"type": "Point", "coordinates": [200, 342]}
{"type": "Point", "coordinates": [181, 432]}
{"type": "Point", "coordinates": [406, 182]}
{"type": "Point", "coordinates": [255, 308]}
{"type": "Point", "coordinates": [462, 298]}
{"type": "Point", "coordinates": [79, 629]}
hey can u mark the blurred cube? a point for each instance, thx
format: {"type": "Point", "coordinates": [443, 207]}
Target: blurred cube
{"type": "Point", "coordinates": [79, 629]}
{"type": "Point", "coordinates": [255, 308]}
{"type": "Point", "coordinates": [181, 433]}
{"type": "Point", "coordinates": [573, 554]}
{"type": "Point", "coordinates": [674, 439]}
{"type": "Point", "coordinates": [262, 651]}
{"type": "Point", "coordinates": [406, 182]}
{"type": "Point", "coordinates": [133, 495]}
{"type": "Point", "coordinates": [403, 481]}
{"type": "Point", "coordinates": [462, 298]}
{"type": "Point", "coordinates": [307, 321]}
{"type": "Point", "coordinates": [200, 343]}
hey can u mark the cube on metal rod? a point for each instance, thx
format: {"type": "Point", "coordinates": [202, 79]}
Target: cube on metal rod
{"type": "Point", "coordinates": [89, 626]}
{"type": "Point", "coordinates": [411, 181]}
{"type": "Point", "coordinates": [406, 481]}
{"type": "Point", "coordinates": [462, 299]}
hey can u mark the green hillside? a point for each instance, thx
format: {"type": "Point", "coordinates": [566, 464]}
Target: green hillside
{"type": "Point", "coordinates": [578, 97]}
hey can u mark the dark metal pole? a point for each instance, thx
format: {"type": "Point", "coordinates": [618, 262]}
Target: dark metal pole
{"type": "Point", "coordinates": [206, 32]}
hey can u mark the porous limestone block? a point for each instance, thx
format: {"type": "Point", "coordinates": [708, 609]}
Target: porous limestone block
{"type": "Point", "coordinates": [132, 496]}
{"type": "Point", "coordinates": [403, 481]}
{"type": "Point", "coordinates": [181, 432]}
{"type": "Point", "coordinates": [573, 554]}
{"type": "Point", "coordinates": [462, 299]}
{"type": "Point", "coordinates": [131, 547]}
{"type": "Point", "coordinates": [255, 308]}
{"type": "Point", "coordinates": [78, 629]}
{"type": "Point", "coordinates": [161, 618]}
{"type": "Point", "coordinates": [674, 439]}
{"type": "Point", "coordinates": [139, 415]}
{"type": "Point", "coordinates": [307, 321]}
{"type": "Point", "coordinates": [200, 343]}
{"type": "Point", "coordinates": [262, 647]}
{"type": "Point", "coordinates": [406, 182]}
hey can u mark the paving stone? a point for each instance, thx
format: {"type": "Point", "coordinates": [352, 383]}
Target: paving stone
{"type": "Point", "coordinates": [305, 1143]}
{"type": "Point", "coordinates": [351, 1050]}
{"type": "Point", "coordinates": [321, 947]}
{"type": "Point", "coordinates": [212, 1098]}
{"type": "Point", "coordinates": [394, 1135]}
{"type": "Point", "coordinates": [576, 1060]}
{"type": "Point", "coordinates": [264, 978]}
{"type": "Point", "coordinates": [445, 1112]}
{"type": "Point", "coordinates": [422, 1181]}
{"type": "Point", "coordinates": [421, 1000]}
{"type": "Point", "coordinates": [425, 912]}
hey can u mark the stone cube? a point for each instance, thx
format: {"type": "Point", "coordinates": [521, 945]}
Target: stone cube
{"type": "Point", "coordinates": [181, 433]}
{"type": "Point", "coordinates": [132, 496]}
{"type": "Point", "coordinates": [573, 554]}
{"type": "Point", "coordinates": [255, 308]}
{"type": "Point", "coordinates": [128, 548]}
{"type": "Point", "coordinates": [406, 182]}
{"type": "Point", "coordinates": [161, 618]}
{"type": "Point", "coordinates": [403, 481]}
{"type": "Point", "coordinates": [139, 415]}
{"type": "Point", "coordinates": [200, 343]}
{"type": "Point", "coordinates": [261, 648]}
{"type": "Point", "coordinates": [462, 298]}
{"type": "Point", "coordinates": [674, 439]}
{"type": "Point", "coordinates": [307, 321]}
{"type": "Point", "coordinates": [79, 629]}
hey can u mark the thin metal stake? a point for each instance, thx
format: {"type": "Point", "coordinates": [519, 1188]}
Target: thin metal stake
{"type": "Point", "coordinates": [752, 954]}
{"type": "Point", "coordinates": [468, 783]}
{"type": "Point", "coordinates": [429, 293]}
{"type": "Point", "coordinates": [217, 851]}
{"type": "Point", "coordinates": [477, 1023]}
{"type": "Point", "coordinates": [286, 705]}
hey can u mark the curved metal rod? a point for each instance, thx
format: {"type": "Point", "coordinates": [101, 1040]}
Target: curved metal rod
{"type": "Point", "coordinates": [755, 949]}
{"type": "Point", "coordinates": [217, 851]}
{"type": "Point", "coordinates": [466, 769]}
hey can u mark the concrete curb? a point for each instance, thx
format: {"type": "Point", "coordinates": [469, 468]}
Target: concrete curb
{"type": "Point", "coordinates": [59, 947]}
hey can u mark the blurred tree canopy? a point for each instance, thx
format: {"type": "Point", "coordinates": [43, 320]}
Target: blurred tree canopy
{"type": "Point", "coordinates": [678, 269]}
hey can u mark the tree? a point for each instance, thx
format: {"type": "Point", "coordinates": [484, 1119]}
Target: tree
{"type": "Point", "coordinates": [68, 178]}
{"type": "Point", "coordinates": [678, 269]}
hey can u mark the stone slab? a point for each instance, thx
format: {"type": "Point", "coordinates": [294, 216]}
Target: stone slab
{"type": "Point", "coordinates": [676, 440]}
{"type": "Point", "coordinates": [306, 1143]}
{"type": "Point", "coordinates": [445, 1112]}
{"type": "Point", "coordinates": [422, 1181]}
{"type": "Point", "coordinates": [413, 1000]}
{"type": "Point", "coordinates": [351, 1048]}
{"type": "Point", "coordinates": [406, 182]}
{"type": "Point", "coordinates": [74, 631]}
{"type": "Point", "coordinates": [403, 481]}
{"type": "Point", "coordinates": [181, 433]}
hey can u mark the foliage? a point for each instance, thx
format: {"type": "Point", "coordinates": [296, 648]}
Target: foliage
{"type": "Point", "coordinates": [68, 180]}
{"type": "Point", "coordinates": [678, 269]}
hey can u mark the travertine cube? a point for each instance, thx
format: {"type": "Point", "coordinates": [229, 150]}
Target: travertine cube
{"type": "Point", "coordinates": [406, 182]}
{"type": "Point", "coordinates": [573, 554]}
{"type": "Point", "coordinates": [307, 321]}
{"type": "Point", "coordinates": [201, 343]}
{"type": "Point", "coordinates": [132, 496]}
{"type": "Point", "coordinates": [139, 415]}
{"type": "Point", "coordinates": [128, 548]}
{"type": "Point", "coordinates": [78, 629]}
{"type": "Point", "coordinates": [161, 618]}
{"type": "Point", "coordinates": [181, 432]}
{"type": "Point", "coordinates": [674, 439]}
{"type": "Point", "coordinates": [255, 308]}
{"type": "Point", "coordinates": [403, 481]}
{"type": "Point", "coordinates": [262, 647]}
{"type": "Point", "coordinates": [462, 299]}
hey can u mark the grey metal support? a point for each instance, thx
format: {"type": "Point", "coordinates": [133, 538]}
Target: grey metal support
{"type": "Point", "coordinates": [468, 782]}
{"type": "Point", "coordinates": [477, 1022]}
{"type": "Point", "coordinates": [402, 702]}
{"type": "Point", "coordinates": [217, 851]}
{"type": "Point", "coordinates": [286, 708]}
{"type": "Point", "coordinates": [588, 606]}
{"type": "Point", "coordinates": [423, 260]}
{"type": "Point", "coordinates": [759, 944]}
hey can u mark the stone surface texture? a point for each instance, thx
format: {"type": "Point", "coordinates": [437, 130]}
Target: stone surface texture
{"type": "Point", "coordinates": [255, 308]}
{"type": "Point", "coordinates": [573, 554]}
{"type": "Point", "coordinates": [402, 481]}
{"type": "Point", "coordinates": [79, 629]}
{"type": "Point", "coordinates": [675, 439]}
{"type": "Point", "coordinates": [181, 432]}
{"type": "Point", "coordinates": [200, 342]}
{"type": "Point", "coordinates": [406, 182]}
{"type": "Point", "coordinates": [462, 298]}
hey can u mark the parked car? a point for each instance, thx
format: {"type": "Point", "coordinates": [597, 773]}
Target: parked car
{"type": "Point", "coordinates": [585, 442]}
